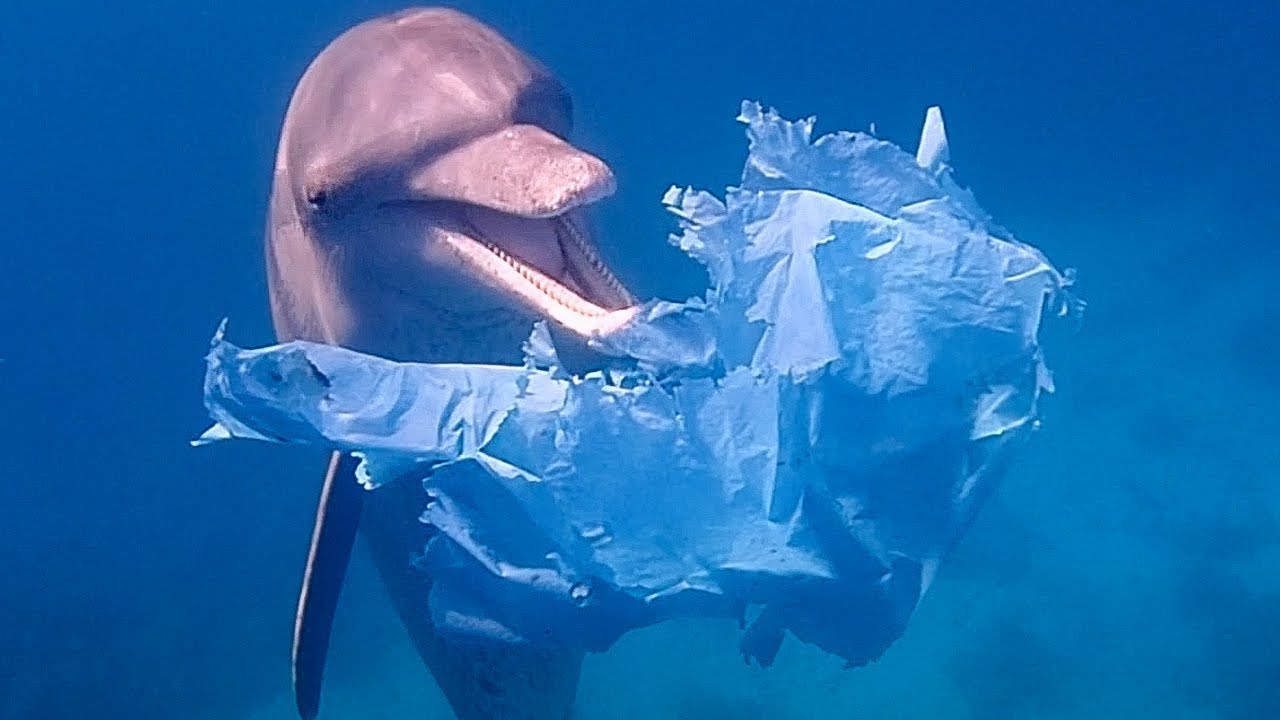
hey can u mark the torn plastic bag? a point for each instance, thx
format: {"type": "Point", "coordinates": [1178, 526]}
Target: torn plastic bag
{"type": "Point", "coordinates": [798, 448]}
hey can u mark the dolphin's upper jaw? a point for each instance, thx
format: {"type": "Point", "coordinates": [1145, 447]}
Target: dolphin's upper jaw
{"type": "Point", "coordinates": [566, 183]}
{"type": "Point", "coordinates": [522, 170]}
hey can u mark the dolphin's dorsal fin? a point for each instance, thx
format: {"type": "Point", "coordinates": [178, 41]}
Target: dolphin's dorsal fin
{"type": "Point", "coordinates": [334, 534]}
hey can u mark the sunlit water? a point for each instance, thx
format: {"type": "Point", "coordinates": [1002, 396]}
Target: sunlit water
{"type": "Point", "coordinates": [1127, 568]}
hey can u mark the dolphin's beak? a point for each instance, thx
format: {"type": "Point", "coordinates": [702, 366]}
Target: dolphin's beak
{"type": "Point", "coordinates": [527, 172]}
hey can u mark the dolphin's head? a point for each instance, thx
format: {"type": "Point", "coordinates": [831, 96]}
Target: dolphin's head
{"type": "Point", "coordinates": [424, 158]}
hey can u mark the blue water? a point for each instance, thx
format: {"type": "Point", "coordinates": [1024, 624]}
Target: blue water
{"type": "Point", "coordinates": [1129, 567]}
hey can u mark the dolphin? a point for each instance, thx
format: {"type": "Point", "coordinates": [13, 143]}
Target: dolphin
{"type": "Point", "coordinates": [426, 206]}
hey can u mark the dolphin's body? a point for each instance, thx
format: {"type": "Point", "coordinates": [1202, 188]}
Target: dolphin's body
{"type": "Point", "coordinates": [426, 207]}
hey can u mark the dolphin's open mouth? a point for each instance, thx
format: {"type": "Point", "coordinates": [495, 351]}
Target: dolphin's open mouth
{"type": "Point", "coordinates": [589, 301]}
{"type": "Point", "coordinates": [524, 173]}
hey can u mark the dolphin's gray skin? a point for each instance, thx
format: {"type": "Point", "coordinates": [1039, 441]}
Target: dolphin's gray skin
{"type": "Point", "coordinates": [426, 207]}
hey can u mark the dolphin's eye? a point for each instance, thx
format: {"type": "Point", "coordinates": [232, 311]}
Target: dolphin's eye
{"type": "Point", "coordinates": [317, 197]}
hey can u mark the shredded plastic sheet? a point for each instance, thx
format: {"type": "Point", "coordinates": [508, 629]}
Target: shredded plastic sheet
{"type": "Point", "coordinates": [798, 449]}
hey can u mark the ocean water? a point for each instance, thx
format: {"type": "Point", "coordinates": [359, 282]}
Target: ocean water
{"type": "Point", "coordinates": [1129, 567]}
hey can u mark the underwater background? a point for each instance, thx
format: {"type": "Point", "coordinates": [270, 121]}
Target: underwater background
{"type": "Point", "coordinates": [1129, 566]}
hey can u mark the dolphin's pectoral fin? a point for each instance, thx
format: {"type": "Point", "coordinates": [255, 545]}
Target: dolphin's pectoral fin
{"type": "Point", "coordinates": [334, 534]}
{"type": "Point", "coordinates": [521, 170]}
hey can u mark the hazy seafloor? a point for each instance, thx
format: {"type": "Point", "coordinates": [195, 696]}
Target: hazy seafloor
{"type": "Point", "coordinates": [1129, 567]}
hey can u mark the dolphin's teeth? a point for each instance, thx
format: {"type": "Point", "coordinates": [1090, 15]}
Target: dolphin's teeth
{"type": "Point", "coordinates": [571, 230]}
{"type": "Point", "coordinates": [547, 288]}
{"type": "Point", "coordinates": [537, 279]}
